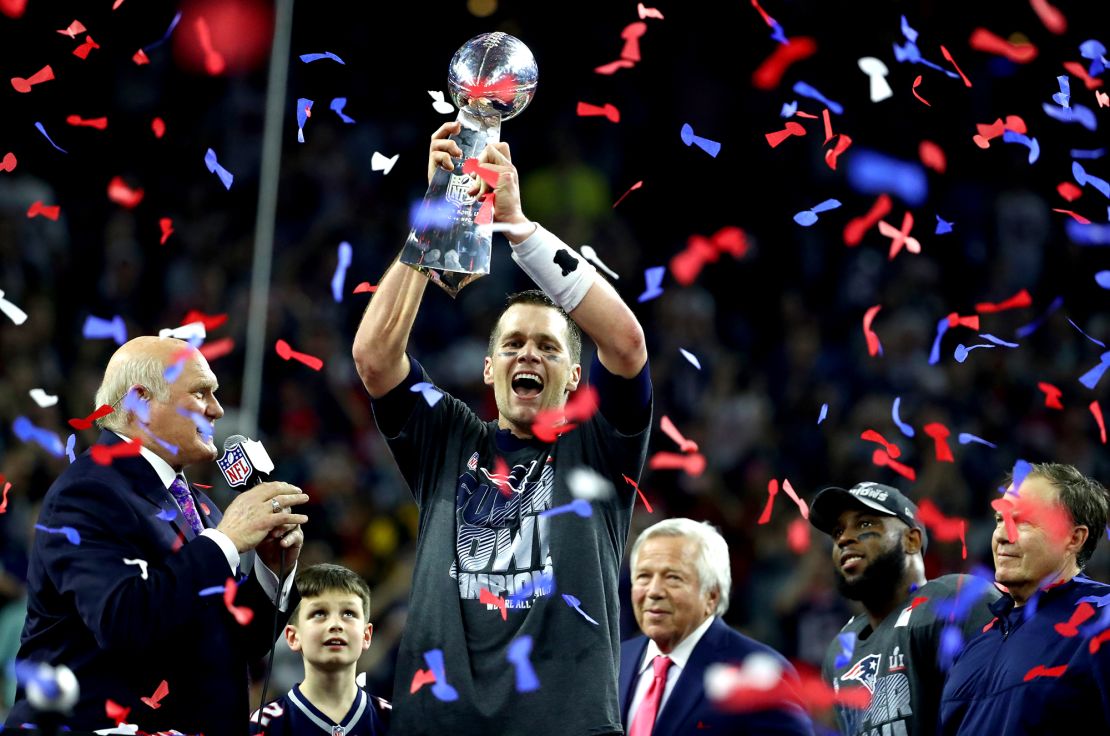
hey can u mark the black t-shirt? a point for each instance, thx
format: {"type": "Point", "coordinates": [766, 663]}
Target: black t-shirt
{"type": "Point", "coordinates": [480, 492]}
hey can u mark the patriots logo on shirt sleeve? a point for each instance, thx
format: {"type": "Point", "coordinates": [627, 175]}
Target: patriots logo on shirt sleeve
{"type": "Point", "coordinates": [865, 671]}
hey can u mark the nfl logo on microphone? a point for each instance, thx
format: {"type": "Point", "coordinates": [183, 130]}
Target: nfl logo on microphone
{"type": "Point", "coordinates": [235, 466]}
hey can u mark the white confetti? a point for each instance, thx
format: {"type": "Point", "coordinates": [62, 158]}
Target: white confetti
{"type": "Point", "coordinates": [690, 357]}
{"type": "Point", "coordinates": [140, 563]}
{"type": "Point", "coordinates": [384, 164]}
{"type": "Point", "coordinates": [43, 399]}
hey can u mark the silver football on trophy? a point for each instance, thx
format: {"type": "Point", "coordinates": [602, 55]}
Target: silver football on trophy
{"type": "Point", "coordinates": [493, 71]}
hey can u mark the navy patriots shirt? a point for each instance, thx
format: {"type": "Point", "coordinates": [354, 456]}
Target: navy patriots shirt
{"type": "Point", "coordinates": [293, 715]}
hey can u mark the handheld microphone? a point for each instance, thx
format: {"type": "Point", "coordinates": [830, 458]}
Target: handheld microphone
{"type": "Point", "coordinates": [245, 462]}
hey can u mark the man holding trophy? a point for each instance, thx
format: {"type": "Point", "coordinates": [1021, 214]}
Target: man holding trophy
{"type": "Point", "coordinates": [513, 615]}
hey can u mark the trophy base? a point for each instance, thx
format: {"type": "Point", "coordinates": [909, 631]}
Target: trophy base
{"type": "Point", "coordinates": [451, 282]}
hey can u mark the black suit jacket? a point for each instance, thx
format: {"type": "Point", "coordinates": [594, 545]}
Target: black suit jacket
{"type": "Point", "coordinates": [687, 709]}
{"type": "Point", "coordinates": [123, 635]}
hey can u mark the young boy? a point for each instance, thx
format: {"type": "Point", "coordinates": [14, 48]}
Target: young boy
{"type": "Point", "coordinates": [331, 629]}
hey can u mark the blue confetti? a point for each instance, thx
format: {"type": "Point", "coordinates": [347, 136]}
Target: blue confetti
{"type": "Point", "coordinates": [962, 350]}
{"type": "Point", "coordinates": [934, 354]}
{"type": "Point", "coordinates": [653, 277]}
{"type": "Point", "coordinates": [998, 341]}
{"type": "Point", "coordinates": [518, 655]}
{"type": "Point", "coordinates": [1091, 378]}
{"type": "Point", "coordinates": [133, 403]}
{"type": "Point", "coordinates": [203, 425]}
{"type": "Point", "coordinates": [174, 370]}
{"type": "Point", "coordinates": [579, 506]}
{"type": "Point", "coordinates": [1093, 234]}
{"type": "Point", "coordinates": [438, 215]}
{"type": "Point", "coordinates": [96, 328]}
{"type": "Point", "coordinates": [694, 359]}
{"type": "Point", "coordinates": [1029, 329]}
{"type": "Point", "coordinates": [943, 226]}
{"type": "Point", "coordinates": [214, 590]}
{"type": "Point", "coordinates": [847, 642]}
{"type": "Point", "coordinates": [1094, 153]}
{"type": "Point", "coordinates": [71, 441]}
{"type": "Point", "coordinates": [49, 139]}
{"type": "Point", "coordinates": [824, 413]}
{"type": "Point", "coordinates": [26, 431]}
{"type": "Point", "coordinates": [169, 515]}
{"type": "Point", "coordinates": [1095, 51]}
{"type": "Point", "coordinates": [434, 659]}
{"type": "Point", "coordinates": [71, 534]}
{"type": "Point", "coordinates": [309, 58]}
{"type": "Point", "coordinates": [337, 105]}
{"type": "Point", "coordinates": [166, 35]}
{"type": "Point", "coordinates": [341, 266]}
{"type": "Point", "coordinates": [576, 604]}
{"type": "Point", "coordinates": [806, 90]}
{"type": "Point", "coordinates": [966, 439]}
{"type": "Point", "coordinates": [1102, 278]}
{"type": "Point", "coordinates": [1084, 178]}
{"type": "Point", "coordinates": [906, 429]}
{"type": "Point", "coordinates": [1063, 97]}
{"type": "Point", "coordinates": [806, 218]}
{"type": "Point", "coordinates": [1012, 136]}
{"type": "Point", "coordinates": [1100, 343]}
{"type": "Point", "coordinates": [1022, 468]}
{"type": "Point", "coordinates": [951, 644]}
{"type": "Point", "coordinates": [688, 137]}
{"type": "Point", "coordinates": [1078, 114]}
{"type": "Point", "coordinates": [870, 172]}
{"type": "Point", "coordinates": [214, 166]}
{"type": "Point", "coordinates": [304, 109]}
{"type": "Point", "coordinates": [541, 584]}
{"type": "Point", "coordinates": [788, 109]}
{"type": "Point", "coordinates": [430, 393]}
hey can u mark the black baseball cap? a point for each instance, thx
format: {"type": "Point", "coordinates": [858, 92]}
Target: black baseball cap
{"type": "Point", "coordinates": [827, 506]}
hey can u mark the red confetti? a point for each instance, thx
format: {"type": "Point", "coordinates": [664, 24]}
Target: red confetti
{"type": "Point", "coordinates": [123, 195]}
{"type": "Point", "coordinates": [940, 434]}
{"type": "Point", "coordinates": [504, 89]}
{"type": "Point", "coordinates": [1006, 507]}
{"type": "Point", "coordinates": [1096, 641]}
{"type": "Point", "coordinates": [772, 491]}
{"type": "Point", "coordinates": [155, 700]}
{"type": "Point", "coordinates": [1069, 191]}
{"type": "Point", "coordinates": [948, 56]}
{"type": "Point", "coordinates": [203, 506]}
{"type": "Point", "coordinates": [102, 411]}
{"type": "Point", "coordinates": [73, 29]}
{"type": "Point", "coordinates": [4, 498]}
{"type": "Point", "coordinates": [489, 176]}
{"type": "Point", "coordinates": [985, 41]}
{"type": "Point", "coordinates": [631, 35]}
{"type": "Point", "coordinates": [50, 213]}
{"type": "Point", "coordinates": [1052, 395]}
{"type": "Point", "coordinates": [1052, 18]}
{"type": "Point", "coordinates": [813, 692]}
{"type": "Point", "coordinates": [900, 238]}
{"type": "Point", "coordinates": [13, 8]}
{"type": "Point", "coordinates": [213, 61]}
{"type": "Point", "coordinates": [9, 162]}
{"type": "Point", "coordinates": [42, 75]}
{"type": "Point", "coordinates": [365, 287]}
{"type": "Point", "coordinates": [671, 431]}
{"type": "Point", "coordinates": [1074, 67]}
{"type": "Point", "coordinates": [916, 84]}
{"type": "Point", "coordinates": [613, 66]}
{"type": "Point", "coordinates": [631, 189]}
{"type": "Point", "coordinates": [880, 458]}
{"type": "Point", "coordinates": [998, 127]}
{"type": "Point", "coordinates": [550, 423]}
{"type": "Point", "coordinates": [288, 353]}
{"type": "Point", "coordinates": [1053, 519]}
{"type": "Point", "coordinates": [778, 136]}
{"type": "Point", "coordinates": [1042, 671]}
{"type": "Point", "coordinates": [692, 464]}
{"type": "Point", "coordinates": [105, 454]}
{"type": "Point", "coordinates": [211, 321]}
{"type": "Point", "coordinates": [1103, 99]}
{"type": "Point", "coordinates": [82, 51]}
{"type": "Point", "coordinates": [832, 154]}
{"type": "Point", "coordinates": [944, 528]}
{"type": "Point", "coordinates": [140, 58]}
{"type": "Point", "coordinates": [500, 477]}
{"type": "Point", "coordinates": [971, 321]}
{"type": "Point", "coordinates": [932, 156]}
{"type": "Point", "coordinates": [98, 123]}
{"type": "Point", "coordinates": [1070, 628]}
{"type": "Point", "coordinates": [648, 12]}
{"type": "Point", "coordinates": [828, 125]}
{"type": "Point", "coordinates": [420, 679]}
{"type": "Point", "coordinates": [797, 536]}
{"type": "Point", "coordinates": [917, 602]}
{"type": "Point", "coordinates": [485, 212]}
{"type": "Point", "coordinates": [642, 496]}
{"type": "Point", "coordinates": [166, 224]}
{"type": "Point", "coordinates": [217, 348]}
{"type": "Point", "coordinates": [768, 74]}
{"type": "Point", "coordinates": [1074, 215]}
{"type": "Point", "coordinates": [874, 347]}
{"type": "Point", "coordinates": [158, 126]}
{"type": "Point", "coordinates": [1096, 410]}
{"type": "Point", "coordinates": [858, 226]}
{"type": "Point", "coordinates": [872, 436]}
{"type": "Point", "coordinates": [242, 614]}
{"type": "Point", "coordinates": [115, 711]}
{"type": "Point", "coordinates": [1017, 301]}
{"type": "Point", "coordinates": [585, 109]}
{"type": "Point", "coordinates": [487, 597]}
{"type": "Point", "coordinates": [803, 508]}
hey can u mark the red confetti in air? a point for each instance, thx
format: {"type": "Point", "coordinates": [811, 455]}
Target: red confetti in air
{"type": "Point", "coordinates": [610, 111]}
{"type": "Point", "coordinates": [944, 528]}
{"type": "Point", "coordinates": [140, 58]}
{"type": "Point", "coordinates": [1069, 191]}
{"type": "Point", "coordinates": [916, 84]}
{"type": "Point", "coordinates": [772, 491]}
{"type": "Point", "coordinates": [803, 508]}
{"type": "Point", "coordinates": [1070, 627]}
{"type": "Point", "coordinates": [1052, 18]}
{"type": "Point", "coordinates": [487, 597]}
{"type": "Point", "coordinates": [631, 35]}
{"type": "Point", "coordinates": [810, 691]}
{"type": "Point", "coordinates": [155, 700]}
{"type": "Point", "coordinates": [932, 156]}
{"type": "Point", "coordinates": [874, 347]}
{"type": "Point", "coordinates": [158, 126]}
{"type": "Point", "coordinates": [1103, 99]}
{"type": "Point", "coordinates": [123, 195]}
{"type": "Point", "coordinates": [217, 348]}
{"type": "Point", "coordinates": [485, 212]}
{"type": "Point", "coordinates": [671, 431]}
{"type": "Point", "coordinates": [1074, 215]}
{"type": "Point", "coordinates": [988, 132]}
{"type": "Point", "coordinates": [42, 75]}
{"type": "Point", "coordinates": [778, 136]}
{"type": "Point", "coordinates": [500, 477]}
{"type": "Point", "coordinates": [872, 436]}
{"type": "Point", "coordinates": [952, 61]}
{"type": "Point", "coordinates": [832, 154]}
{"type": "Point", "coordinates": [288, 353]}
{"type": "Point", "coordinates": [166, 224]}
{"type": "Point", "coordinates": [1096, 411]}
{"type": "Point", "coordinates": [1042, 671]}
{"type": "Point", "coordinates": [203, 506]}
{"type": "Point", "coordinates": [8, 163]}
{"type": "Point", "coordinates": [613, 66]}
{"type": "Point", "coordinates": [98, 123]}
{"type": "Point", "coordinates": [648, 12]}
{"type": "Point", "coordinates": [631, 189]}
{"type": "Point", "coordinates": [105, 454]}
{"type": "Point", "coordinates": [987, 42]}
{"type": "Point", "coordinates": [211, 321]}
{"type": "Point", "coordinates": [4, 497]}
{"type": "Point", "coordinates": [489, 176]}
{"type": "Point", "coordinates": [242, 614]}
{"type": "Point", "coordinates": [550, 423]}
{"type": "Point", "coordinates": [503, 89]}
{"type": "Point", "coordinates": [50, 213]}
{"type": "Point", "coordinates": [828, 125]}
{"type": "Point", "coordinates": [940, 434]}
{"type": "Point", "coordinates": [82, 51]}
{"type": "Point", "coordinates": [1097, 640]}
{"type": "Point", "coordinates": [971, 321]}
{"type": "Point", "coordinates": [880, 458]}
{"type": "Point", "coordinates": [364, 288]}
{"type": "Point", "coordinates": [1074, 67]}
{"type": "Point", "coordinates": [420, 679]}
{"type": "Point", "coordinates": [73, 29]}
{"type": "Point", "coordinates": [1052, 518]}
{"type": "Point", "coordinates": [797, 536]}
{"type": "Point", "coordinates": [1017, 301]}
{"type": "Point", "coordinates": [900, 238]}
{"type": "Point", "coordinates": [1051, 395]}
{"type": "Point", "coordinates": [13, 8]}
{"type": "Point", "coordinates": [693, 464]}
{"type": "Point", "coordinates": [768, 74]}
{"type": "Point", "coordinates": [1005, 507]}
{"type": "Point", "coordinates": [116, 712]}
{"type": "Point", "coordinates": [642, 496]}
{"type": "Point", "coordinates": [917, 602]}
{"type": "Point", "coordinates": [858, 226]}
{"type": "Point", "coordinates": [214, 62]}
{"type": "Point", "coordinates": [102, 411]}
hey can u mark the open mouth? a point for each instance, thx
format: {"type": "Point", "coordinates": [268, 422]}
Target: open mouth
{"type": "Point", "coordinates": [850, 560]}
{"type": "Point", "coordinates": [335, 643]}
{"type": "Point", "coordinates": [527, 385]}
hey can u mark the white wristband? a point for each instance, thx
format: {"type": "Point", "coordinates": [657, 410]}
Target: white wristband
{"type": "Point", "coordinates": [562, 274]}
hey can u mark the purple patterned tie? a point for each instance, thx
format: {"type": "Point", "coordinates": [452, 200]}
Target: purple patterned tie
{"type": "Point", "coordinates": [180, 491]}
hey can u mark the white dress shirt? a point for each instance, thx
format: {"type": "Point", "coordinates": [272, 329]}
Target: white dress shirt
{"type": "Point", "coordinates": [679, 656]}
{"type": "Point", "coordinates": [266, 577]}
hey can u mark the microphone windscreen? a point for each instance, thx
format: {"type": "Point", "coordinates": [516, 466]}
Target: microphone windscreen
{"type": "Point", "coordinates": [235, 439]}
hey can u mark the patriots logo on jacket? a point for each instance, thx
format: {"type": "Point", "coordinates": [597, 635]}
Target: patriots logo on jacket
{"type": "Point", "coordinates": [865, 671]}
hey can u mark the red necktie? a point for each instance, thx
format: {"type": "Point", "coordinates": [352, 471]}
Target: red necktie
{"type": "Point", "coordinates": [644, 720]}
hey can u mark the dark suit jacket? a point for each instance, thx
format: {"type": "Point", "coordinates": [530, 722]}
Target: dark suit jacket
{"type": "Point", "coordinates": [122, 635]}
{"type": "Point", "coordinates": [687, 710]}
